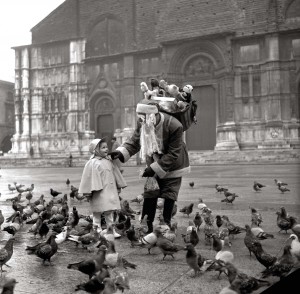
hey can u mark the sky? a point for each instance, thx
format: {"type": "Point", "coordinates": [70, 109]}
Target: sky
{"type": "Point", "coordinates": [17, 18]}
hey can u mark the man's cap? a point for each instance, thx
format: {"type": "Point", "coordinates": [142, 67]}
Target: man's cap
{"type": "Point", "coordinates": [147, 106]}
{"type": "Point", "coordinates": [95, 143]}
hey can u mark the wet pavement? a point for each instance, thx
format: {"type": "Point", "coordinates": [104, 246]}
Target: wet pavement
{"type": "Point", "coordinates": [153, 275]}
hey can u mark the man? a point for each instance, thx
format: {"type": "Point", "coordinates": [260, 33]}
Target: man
{"type": "Point", "coordinates": [158, 137]}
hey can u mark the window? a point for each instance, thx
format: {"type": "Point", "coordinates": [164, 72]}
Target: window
{"type": "Point", "coordinates": [296, 47]}
{"type": "Point", "coordinates": [245, 85]}
{"type": "Point", "coordinates": [249, 53]}
{"type": "Point", "coordinates": [106, 38]}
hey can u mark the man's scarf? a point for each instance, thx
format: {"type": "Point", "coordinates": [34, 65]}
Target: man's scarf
{"type": "Point", "coordinates": [150, 140]}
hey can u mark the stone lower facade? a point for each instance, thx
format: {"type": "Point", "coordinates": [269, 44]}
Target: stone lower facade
{"type": "Point", "coordinates": [86, 84]}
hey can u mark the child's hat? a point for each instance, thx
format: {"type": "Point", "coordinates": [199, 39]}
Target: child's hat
{"type": "Point", "coordinates": [147, 106]}
{"type": "Point", "coordinates": [94, 144]}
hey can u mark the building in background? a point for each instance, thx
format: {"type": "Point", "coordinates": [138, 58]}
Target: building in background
{"type": "Point", "coordinates": [81, 75]}
{"type": "Point", "coordinates": [7, 117]}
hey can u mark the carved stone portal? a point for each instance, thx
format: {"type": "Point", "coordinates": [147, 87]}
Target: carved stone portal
{"type": "Point", "coordinates": [198, 66]}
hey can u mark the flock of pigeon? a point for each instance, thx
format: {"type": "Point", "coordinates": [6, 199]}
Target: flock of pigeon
{"type": "Point", "coordinates": [55, 222]}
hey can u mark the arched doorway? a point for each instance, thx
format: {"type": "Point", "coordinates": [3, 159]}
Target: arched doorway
{"type": "Point", "coordinates": [202, 136]}
{"type": "Point", "coordinates": [202, 65]}
{"type": "Point", "coordinates": [6, 144]}
{"type": "Point", "coordinates": [105, 127]}
{"type": "Point", "coordinates": [102, 116]}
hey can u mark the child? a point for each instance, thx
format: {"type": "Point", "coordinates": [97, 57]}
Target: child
{"type": "Point", "coordinates": [102, 181]}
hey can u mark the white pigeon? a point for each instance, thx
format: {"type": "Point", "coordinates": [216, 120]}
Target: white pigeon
{"type": "Point", "coordinates": [295, 246]}
{"type": "Point", "coordinates": [226, 256]}
{"type": "Point", "coordinates": [201, 205]}
{"type": "Point", "coordinates": [61, 237]}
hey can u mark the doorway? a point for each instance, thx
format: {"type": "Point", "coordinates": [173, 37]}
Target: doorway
{"type": "Point", "coordinates": [202, 136]}
{"type": "Point", "coordinates": [105, 127]}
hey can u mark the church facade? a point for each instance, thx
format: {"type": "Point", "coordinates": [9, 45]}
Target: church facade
{"type": "Point", "coordinates": [80, 77]}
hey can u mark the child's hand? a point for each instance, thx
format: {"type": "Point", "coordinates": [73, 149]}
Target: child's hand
{"type": "Point", "coordinates": [88, 197]}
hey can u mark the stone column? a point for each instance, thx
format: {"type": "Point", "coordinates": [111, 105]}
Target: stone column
{"type": "Point", "coordinates": [128, 101]}
{"type": "Point", "coordinates": [226, 131]}
{"type": "Point", "coordinates": [25, 91]}
{"type": "Point", "coordinates": [274, 129]}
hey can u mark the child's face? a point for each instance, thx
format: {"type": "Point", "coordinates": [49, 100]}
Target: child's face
{"type": "Point", "coordinates": [102, 149]}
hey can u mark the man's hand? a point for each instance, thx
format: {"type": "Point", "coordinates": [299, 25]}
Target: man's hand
{"type": "Point", "coordinates": [116, 154]}
{"type": "Point", "coordinates": [148, 172]}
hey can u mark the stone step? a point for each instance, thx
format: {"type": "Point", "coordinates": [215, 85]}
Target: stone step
{"type": "Point", "coordinates": [196, 158]}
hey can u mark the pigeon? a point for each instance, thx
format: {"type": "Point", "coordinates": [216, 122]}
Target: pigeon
{"type": "Point", "coordinates": [295, 227]}
{"type": "Point", "coordinates": [233, 229]}
{"type": "Point", "coordinates": [219, 221]}
{"type": "Point", "coordinates": [29, 196]}
{"type": "Point", "coordinates": [283, 189]}
{"type": "Point", "coordinates": [279, 183]}
{"type": "Point", "coordinates": [9, 286]}
{"type": "Point", "coordinates": [263, 257]}
{"type": "Point", "coordinates": [256, 218]}
{"type": "Point", "coordinates": [295, 246]}
{"type": "Point", "coordinates": [249, 239]}
{"type": "Point", "coordinates": [95, 284]}
{"type": "Point", "coordinates": [15, 225]}
{"type": "Point", "coordinates": [257, 186]}
{"type": "Point", "coordinates": [54, 193]}
{"type": "Point", "coordinates": [16, 198]}
{"type": "Point", "coordinates": [282, 266]}
{"type": "Point", "coordinates": [201, 205]}
{"type": "Point", "coordinates": [18, 185]}
{"type": "Point", "coordinates": [229, 199]}
{"type": "Point", "coordinates": [192, 184]}
{"type": "Point", "coordinates": [44, 229]}
{"type": "Point", "coordinates": [209, 228]}
{"type": "Point", "coordinates": [92, 265]}
{"type": "Point", "coordinates": [120, 279]}
{"type": "Point", "coordinates": [68, 182]}
{"type": "Point", "coordinates": [131, 235]}
{"type": "Point", "coordinates": [124, 226]}
{"type": "Point", "coordinates": [166, 246]}
{"type": "Point", "coordinates": [87, 239]}
{"type": "Point", "coordinates": [219, 262]}
{"type": "Point", "coordinates": [191, 237]}
{"type": "Point", "coordinates": [11, 188]}
{"type": "Point", "coordinates": [198, 221]}
{"type": "Point", "coordinates": [217, 244]}
{"type": "Point", "coordinates": [227, 194]}
{"type": "Point", "coordinates": [187, 209]}
{"type": "Point", "coordinates": [194, 260]}
{"type": "Point", "coordinates": [6, 253]}
{"type": "Point", "coordinates": [220, 189]}
{"type": "Point", "coordinates": [248, 283]}
{"type": "Point", "coordinates": [45, 250]}
{"type": "Point", "coordinates": [260, 234]}
{"type": "Point", "coordinates": [160, 203]}
{"type": "Point", "coordinates": [172, 233]}
{"type": "Point", "coordinates": [115, 259]}
{"type": "Point", "coordinates": [126, 209]}
{"type": "Point", "coordinates": [283, 222]}
{"type": "Point", "coordinates": [31, 188]}
{"type": "Point", "coordinates": [138, 199]}
{"type": "Point", "coordinates": [73, 218]}
{"type": "Point", "coordinates": [61, 237]}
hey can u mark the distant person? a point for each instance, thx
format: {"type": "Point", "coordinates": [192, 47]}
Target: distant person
{"type": "Point", "coordinates": [102, 182]}
{"type": "Point", "coordinates": [70, 160]}
{"type": "Point", "coordinates": [31, 151]}
{"type": "Point", "coordinates": [114, 146]}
